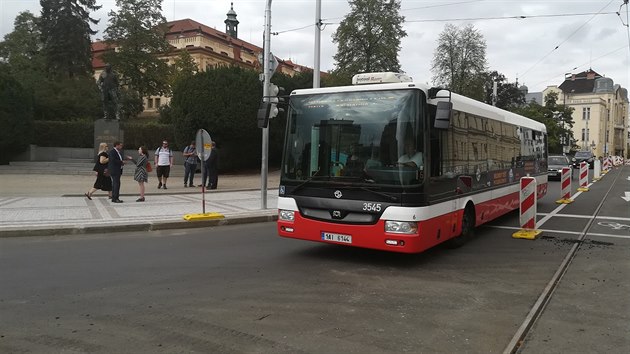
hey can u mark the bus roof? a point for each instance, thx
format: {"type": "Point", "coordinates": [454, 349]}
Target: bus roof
{"type": "Point", "coordinates": [460, 103]}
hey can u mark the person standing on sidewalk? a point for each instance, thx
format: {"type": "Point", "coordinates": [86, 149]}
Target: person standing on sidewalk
{"type": "Point", "coordinates": [141, 175]}
{"type": "Point", "coordinates": [115, 167]}
{"type": "Point", "coordinates": [213, 167]}
{"type": "Point", "coordinates": [190, 164]}
{"type": "Point", "coordinates": [102, 182]}
{"type": "Point", "coordinates": [163, 163]}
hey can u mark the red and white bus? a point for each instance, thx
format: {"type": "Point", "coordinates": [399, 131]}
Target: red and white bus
{"type": "Point", "coordinates": [395, 165]}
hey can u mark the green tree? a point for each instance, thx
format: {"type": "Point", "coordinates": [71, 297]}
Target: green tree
{"type": "Point", "coordinates": [508, 94]}
{"type": "Point", "coordinates": [66, 99]}
{"type": "Point", "coordinates": [138, 31]}
{"type": "Point", "coordinates": [224, 101]}
{"type": "Point", "coordinates": [16, 115]}
{"type": "Point", "coordinates": [21, 49]}
{"type": "Point", "coordinates": [65, 32]}
{"type": "Point", "coordinates": [459, 61]}
{"type": "Point", "coordinates": [183, 68]}
{"type": "Point", "coordinates": [368, 38]}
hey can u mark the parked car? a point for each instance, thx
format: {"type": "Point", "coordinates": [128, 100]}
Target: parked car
{"type": "Point", "coordinates": [555, 163]}
{"type": "Point", "coordinates": [584, 156]}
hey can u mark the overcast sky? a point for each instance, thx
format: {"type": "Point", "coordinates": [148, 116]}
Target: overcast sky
{"type": "Point", "coordinates": [517, 48]}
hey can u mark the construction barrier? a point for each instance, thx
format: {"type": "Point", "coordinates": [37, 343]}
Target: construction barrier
{"type": "Point", "coordinates": [565, 183]}
{"type": "Point", "coordinates": [606, 165]}
{"type": "Point", "coordinates": [528, 199]}
{"type": "Point", "coordinates": [597, 169]}
{"type": "Point", "coordinates": [583, 177]}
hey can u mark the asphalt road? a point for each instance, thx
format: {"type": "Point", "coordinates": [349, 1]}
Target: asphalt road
{"type": "Point", "coordinates": [241, 288]}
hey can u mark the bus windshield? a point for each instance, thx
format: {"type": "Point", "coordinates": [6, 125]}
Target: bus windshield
{"type": "Point", "coordinates": [365, 137]}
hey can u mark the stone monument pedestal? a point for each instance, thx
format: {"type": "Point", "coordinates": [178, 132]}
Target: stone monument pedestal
{"type": "Point", "coordinates": [107, 131]}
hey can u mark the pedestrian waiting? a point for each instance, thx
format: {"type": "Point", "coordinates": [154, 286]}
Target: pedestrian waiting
{"type": "Point", "coordinates": [163, 163]}
{"type": "Point", "coordinates": [190, 164]}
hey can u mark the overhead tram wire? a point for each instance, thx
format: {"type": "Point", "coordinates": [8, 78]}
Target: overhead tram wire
{"type": "Point", "coordinates": [425, 7]}
{"type": "Point", "coordinates": [587, 63]}
{"type": "Point", "coordinates": [566, 39]}
{"type": "Point", "coordinates": [517, 17]}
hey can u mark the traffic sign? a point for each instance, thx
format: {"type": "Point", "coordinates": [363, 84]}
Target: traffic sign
{"type": "Point", "coordinates": [204, 144]}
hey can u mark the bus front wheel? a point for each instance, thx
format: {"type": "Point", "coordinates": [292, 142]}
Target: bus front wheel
{"type": "Point", "coordinates": [468, 228]}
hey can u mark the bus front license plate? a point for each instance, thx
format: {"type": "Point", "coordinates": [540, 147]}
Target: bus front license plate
{"type": "Point", "coordinates": [328, 236]}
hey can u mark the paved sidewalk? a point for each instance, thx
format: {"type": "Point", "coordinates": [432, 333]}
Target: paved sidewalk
{"type": "Point", "coordinates": [32, 205]}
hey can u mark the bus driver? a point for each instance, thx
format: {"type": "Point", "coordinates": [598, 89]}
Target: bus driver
{"type": "Point", "coordinates": [411, 157]}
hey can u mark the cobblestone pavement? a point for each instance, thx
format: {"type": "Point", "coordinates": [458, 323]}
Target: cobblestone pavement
{"type": "Point", "coordinates": [55, 204]}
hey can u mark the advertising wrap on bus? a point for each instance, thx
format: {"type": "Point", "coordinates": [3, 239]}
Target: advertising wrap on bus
{"type": "Point", "coordinates": [369, 166]}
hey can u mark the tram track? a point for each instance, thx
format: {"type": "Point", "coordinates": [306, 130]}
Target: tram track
{"type": "Point", "coordinates": [517, 341]}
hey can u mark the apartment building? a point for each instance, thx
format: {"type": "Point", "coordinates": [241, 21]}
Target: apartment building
{"type": "Point", "coordinates": [601, 118]}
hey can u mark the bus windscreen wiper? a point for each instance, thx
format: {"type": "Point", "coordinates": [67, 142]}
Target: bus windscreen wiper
{"type": "Point", "coordinates": [306, 181]}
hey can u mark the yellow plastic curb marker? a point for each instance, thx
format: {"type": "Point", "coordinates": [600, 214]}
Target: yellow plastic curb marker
{"type": "Point", "coordinates": [206, 216]}
{"type": "Point", "coordinates": [527, 234]}
{"type": "Point", "coordinates": [582, 189]}
{"type": "Point", "coordinates": [564, 201]}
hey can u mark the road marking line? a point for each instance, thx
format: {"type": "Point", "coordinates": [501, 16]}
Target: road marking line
{"type": "Point", "coordinates": [586, 216]}
{"type": "Point", "coordinates": [560, 231]}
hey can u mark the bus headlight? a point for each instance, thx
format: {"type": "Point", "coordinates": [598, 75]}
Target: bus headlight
{"type": "Point", "coordinates": [401, 227]}
{"type": "Point", "coordinates": [286, 215]}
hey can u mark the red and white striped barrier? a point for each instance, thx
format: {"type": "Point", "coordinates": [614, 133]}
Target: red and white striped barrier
{"type": "Point", "coordinates": [583, 177]}
{"type": "Point", "coordinates": [565, 183]}
{"type": "Point", "coordinates": [606, 165]}
{"type": "Point", "coordinates": [528, 198]}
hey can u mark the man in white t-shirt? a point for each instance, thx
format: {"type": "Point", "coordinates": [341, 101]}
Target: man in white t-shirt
{"type": "Point", "coordinates": [163, 163]}
{"type": "Point", "coordinates": [411, 157]}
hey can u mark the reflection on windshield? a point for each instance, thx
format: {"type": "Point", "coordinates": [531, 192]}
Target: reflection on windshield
{"type": "Point", "coordinates": [371, 137]}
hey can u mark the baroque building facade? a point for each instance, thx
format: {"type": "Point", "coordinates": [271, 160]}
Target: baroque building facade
{"type": "Point", "coordinates": [600, 112]}
{"type": "Point", "coordinates": [208, 47]}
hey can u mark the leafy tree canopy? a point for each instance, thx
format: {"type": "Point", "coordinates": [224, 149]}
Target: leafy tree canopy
{"type": "Point", "coordinates": [459, 61]}
{"type": "Point", "coordinates": [138, 31]}
{"type": "Point", "coordinates": [183, 68]}
{"type": "Point", "coordinates": [65, 33]}
{"type": "Point", "coordinates": [224, 101]}
{"type": "Point", "coordinates": [16, 115]}
{"type": "Point", "coordinates": [368, 38]}
{"type": "Point", "coordinates": [21, 50]}
{"type": "Point", "coordinates": [508, 94]}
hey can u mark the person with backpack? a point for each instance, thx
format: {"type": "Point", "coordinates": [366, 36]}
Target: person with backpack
{"type": "Point", "coordinates": [163, 163]}
{"type": "Point", "coordinates": [190, 164]}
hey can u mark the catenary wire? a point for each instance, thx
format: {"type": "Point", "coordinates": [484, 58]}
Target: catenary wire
{"type": "Point", "coordinates": [566, 39]}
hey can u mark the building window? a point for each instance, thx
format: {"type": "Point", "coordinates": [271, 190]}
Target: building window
{"type": "Point", "coordinates": [149, 103]}
{"type": "Point", "coordinates": [586, 113]}
{"type": "Point", "coordinates": [157, 102]}
{"type": "Point", "coordinates": [583, 134]}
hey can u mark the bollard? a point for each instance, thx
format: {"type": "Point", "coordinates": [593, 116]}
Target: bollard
{"type": "Point", "coordinates": [583, 177]}
{"type": "Point", "coordinates": [565, 183]}
{"type": "Point", "coordinates": [528, 199]}
{"type": "Point", "coordinates": [597, 169]}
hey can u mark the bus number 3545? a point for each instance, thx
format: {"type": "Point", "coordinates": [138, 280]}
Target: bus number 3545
{"type": "Point", "coordinates": [372, 207]}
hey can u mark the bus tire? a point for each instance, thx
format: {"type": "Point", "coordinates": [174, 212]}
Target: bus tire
{"type": "Point", "coordinates": [468, 228]}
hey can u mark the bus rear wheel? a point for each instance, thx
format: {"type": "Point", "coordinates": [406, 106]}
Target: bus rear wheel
{"type": "Point", "coordinates": [468, 228]}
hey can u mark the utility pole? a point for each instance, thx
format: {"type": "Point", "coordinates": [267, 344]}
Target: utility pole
{"type": "Point", "coordinates": [266, 82]}
{"type": "Point", "coordinates": [318, 36]}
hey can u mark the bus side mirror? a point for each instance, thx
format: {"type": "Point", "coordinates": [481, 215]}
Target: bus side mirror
{"type": "Point", "coordinates": [443, 115]}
